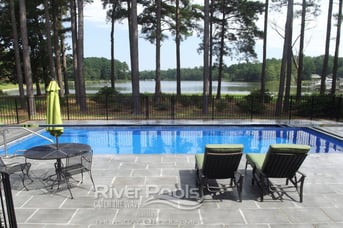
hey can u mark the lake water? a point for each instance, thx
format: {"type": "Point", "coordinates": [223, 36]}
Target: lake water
{"type": "Point", "coordinates": [187, 87]}
{"type": "Point", "coordinates": [169, 87]}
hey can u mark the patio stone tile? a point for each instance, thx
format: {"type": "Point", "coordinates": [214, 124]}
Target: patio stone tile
{"type": "Point", "coordinates": [143, 216]}
{"type": "Point", "coordinates": [336, 214]}
{"type": "Point", "coordinates": [292, 226]}
{"type": "Point", "coordinates": [163, 165]}
{"type": "Point", "coordinates": [55, 216]}
{"type": "Point", "coordinates": [225, 217]}
{"type": "Point", "coordinates": [133, 165]}
{"type": "Point", "coordinates": [338, 225]}
{"type": "Point", "coordinates": [265, 216]}
{"type": "Point", "coordinates": [173, 216]}
{"type": "Point", "coordinates": [63, 226]}
{"type": "Point", "coordinates": [80, 202]}
{"type": "Point", "coordinates": [310, 215]}
{"type": "Point", "coordinates": [94, 216]}
{"type": "Point", "coordinates": [23, 214]}
{"type": "Point", "coordinates": [123, 181]}
{"type": "Point", "coordinates": [40, 201]}
{"type": "Point", "coordinates": [171, 180]}
{"type": "Point", "coordinates": [146, 172]}
{"type": "Point", "coordinates": [31, 225]}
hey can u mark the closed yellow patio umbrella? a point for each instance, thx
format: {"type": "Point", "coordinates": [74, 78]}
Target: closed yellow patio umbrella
{"type": "Point", "coordinates": [54, 110]}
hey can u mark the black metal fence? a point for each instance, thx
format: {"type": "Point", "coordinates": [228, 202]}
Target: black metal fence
{"type": "Point", "coordinates": [7, 212]}
{"type": "Point", "coordinates": [176, 107]}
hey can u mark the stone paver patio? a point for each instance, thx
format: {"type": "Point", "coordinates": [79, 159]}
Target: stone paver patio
{"type": "Point", "coordinates": [124, 184]}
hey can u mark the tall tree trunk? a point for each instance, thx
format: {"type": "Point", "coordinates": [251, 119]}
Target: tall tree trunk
{"type": "Point", "coordinates": [210, 75]}
{"type": "Point", "coordinates": [74, 47]}
{"type": "Point", "coordinates": [335, 60]}
{"type": "Point", "coordinates": [26, 58]}
{"type": "Point", "coordinates": [134, 57]}
{"type": "Point", "coordinates": [158, 53]}
{"type": "Point", "coordinates": [80, 50]}
{"type": "Point", "coordinates": [112, 47]}
{"type": "Point", "coordinates": [177, 42]}
{"type": "Point", "coordinates": [301, 50]}
{"type": "Point", "coordinates": [264, 57]}
{"type": "Point", "coordinates": [48, 39]}
{"type": "Point", "coordinates": [289, 34]}
{"type": "Point", "coordinates": [327, 50]}
{"type": "Point", "coordinates": [64, 66]}
{"type": "Point", "coordinates": [206, 62]}
{"type": "Point", "coordinates": [57, 48]}
{"type": "Point", "coordinates": [221, 55]}
{"type": "Point", "coordinates": [17, 55]}
{"type": "Point", "coordinates": [284, 61]}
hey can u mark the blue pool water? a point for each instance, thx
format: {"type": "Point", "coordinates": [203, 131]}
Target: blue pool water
{"type": "Point", "coordinates": [182, 139]}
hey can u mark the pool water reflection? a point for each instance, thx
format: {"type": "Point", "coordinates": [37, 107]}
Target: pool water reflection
{"type": "Point", "coordinates": [183, 139]}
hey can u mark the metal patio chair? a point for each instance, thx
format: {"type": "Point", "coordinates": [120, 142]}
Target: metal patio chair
{"type": "Point", "coordinates": [11, 165]}
{"type": "Point", "coordinates": [76, 165]}
{"type": "Point", "coordinates": [282, 161]}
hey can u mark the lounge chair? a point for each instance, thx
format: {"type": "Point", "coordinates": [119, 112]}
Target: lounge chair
{"type": "Point", "coordinates": [11, 166]}
{"type": "Point", "coordinates": [281, 161]}
{"type": "Point", "coordinates": [220, 161]}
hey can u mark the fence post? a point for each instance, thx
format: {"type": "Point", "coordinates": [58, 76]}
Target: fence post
{"type": "Point", "coordinates": [251, 107]}
{"type": "Point", "coordinates": [213, 108]}
{"type": "Point", "coordinates": [28, 108]}
{"type": "Point", "coordinates": [147, 107]}
{"type": "Point", "coordinates": [68, 111]}
{"type": "Point", "coordinates": [338, 113]}
{"type": "Point", "coordinates": [312, 103]}
{"type": "Point", "coordinates": [106, 105]}
{"type": "Point", "coordinates": [16, 110]}
{"type": "Point", "coordinates": [172, 104]}
{"type": "Point", "coordinates": [290, 109]}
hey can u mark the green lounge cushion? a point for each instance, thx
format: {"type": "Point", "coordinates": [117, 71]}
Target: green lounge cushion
{"type": "Point", "coordinates": [258, 159]}
{"type": "Point", "coordinates": [289, 148]}
{"type": "Point", "coordinates": [217, 148]}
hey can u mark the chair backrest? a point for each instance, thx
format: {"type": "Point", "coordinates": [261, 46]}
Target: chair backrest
{"type": "Point", "coordinates": [284, 160]}
{"type": "Point", "coordinates": [221, 160]}
{"type": "Point", "coordinates": [83, 162]}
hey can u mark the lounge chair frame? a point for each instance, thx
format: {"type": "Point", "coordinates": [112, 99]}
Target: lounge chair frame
{"type": "Point", "coordinates": [279, 165]}
{"type": "Point", "coordinates": [221, 165]}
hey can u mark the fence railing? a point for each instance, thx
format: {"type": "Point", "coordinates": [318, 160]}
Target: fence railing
{"type": "Point", "coordinates": [7, 212]}
{"type": "Point", "coordinates": [176, 107]}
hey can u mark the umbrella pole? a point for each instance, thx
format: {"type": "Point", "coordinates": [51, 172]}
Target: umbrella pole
{"type": "Point", "coordinates": [56, 142]}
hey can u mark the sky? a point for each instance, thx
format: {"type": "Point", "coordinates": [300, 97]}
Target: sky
{"type": "Point", "coordinates": [97, 40]}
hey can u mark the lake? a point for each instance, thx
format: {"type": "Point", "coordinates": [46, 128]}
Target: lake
{"type": "Point", "coordinates": [187, 87]}
{"type": "Point", "coordinates": [169, 87]}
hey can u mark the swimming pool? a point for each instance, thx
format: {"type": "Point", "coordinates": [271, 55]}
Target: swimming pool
{"type": "Point", "coordinates": [153, 139]}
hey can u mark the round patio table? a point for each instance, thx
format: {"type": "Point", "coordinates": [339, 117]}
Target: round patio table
{"type": "Point", "coordinates": [58, 152]}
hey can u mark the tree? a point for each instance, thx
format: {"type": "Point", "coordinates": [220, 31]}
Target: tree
{"type": "Point", "coordinates": [264, 56]}
{"type": "Point", "coordinates": [338, 38]}
{"type": "Point", "coordinates": [286, 64]}
{"type": "Point", "coordinates": [116, 12]}
{"type": "Point", "coordinates": [17, 53]}
{"type": "Point", "coordinates": [133, 33]}
{"type": "Point", "coordinates": [235, 32]}
{"type": "Point", "coordinates": [327, 49]}
{"type": "Point", "coordinates": [206, 68]}
{"type": "Point", "coordinates": [26, 58]}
